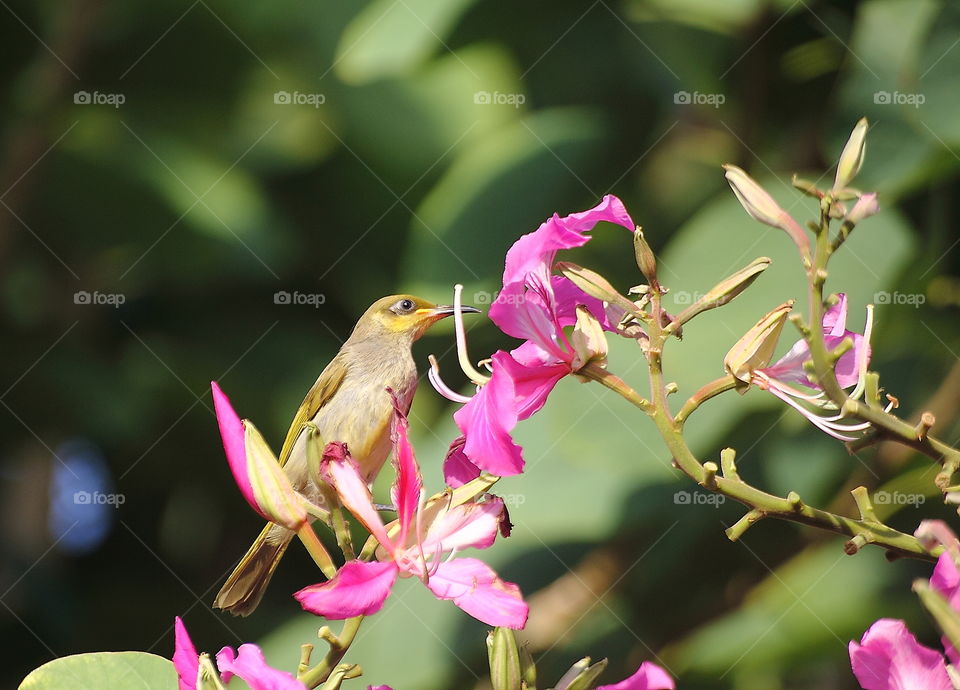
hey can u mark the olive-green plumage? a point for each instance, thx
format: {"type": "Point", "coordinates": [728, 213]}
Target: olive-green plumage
{"type": "Point", "coordinates": [349, 403]}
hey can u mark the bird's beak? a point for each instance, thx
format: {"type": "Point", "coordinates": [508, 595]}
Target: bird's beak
{"type": "Point", "coordinates": [446, 310]}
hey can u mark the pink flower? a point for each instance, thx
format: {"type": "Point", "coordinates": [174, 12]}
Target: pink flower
{"type": "Point", "coordinates": [413, 546]}
{"type": "Point", "coordinates": [535, 306]}
{"type": "Point", "coordinates": [256, 470]}
{"type": "Point", "coordinates": [890, 658]}
{"type": "Point", "coordinates": [247, 663]}
{"type": "Point", "coordinates": [850, 370]}
{"type": "Point", "coordinates": [648, 677]}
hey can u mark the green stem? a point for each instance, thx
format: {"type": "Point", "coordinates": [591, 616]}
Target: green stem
{"type": "Point", "coordinates": [317, 550]}
{"type": "Point", "coordinates": [710, 390]}
{"type": "Point", "coordinates": [339, 644]}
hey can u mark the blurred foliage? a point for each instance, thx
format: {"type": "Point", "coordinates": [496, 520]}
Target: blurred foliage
{"type": "Point", "coordinates": [204, 194]}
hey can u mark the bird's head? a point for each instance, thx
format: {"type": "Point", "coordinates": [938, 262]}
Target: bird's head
{"type": "Point", "coordinates": [403, 316]}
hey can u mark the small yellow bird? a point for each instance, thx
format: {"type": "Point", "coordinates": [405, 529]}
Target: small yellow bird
{"type": "Point", "coordinates": [348, 403]}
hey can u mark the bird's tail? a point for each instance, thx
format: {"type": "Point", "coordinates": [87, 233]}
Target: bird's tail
{"type": "Point", "coordinates": [244, 589]}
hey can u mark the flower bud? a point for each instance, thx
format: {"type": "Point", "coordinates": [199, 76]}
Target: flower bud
{"type": "Point", "coordinates": [755, 349]}
{"type": "Point", "coordinates": [589, 341]}
{"type": "Point", "coordinates": [581, 675]}
{"type": "Point", "coordinates": [595, 285]}
{"type": "Point", "coordinates": [274, 495]}
{"type": "Point", "coordinates": [727, 289]}
{"type": "Point", "coordinates": [762, 207]}
{"type": "Point", "coordinates": [504, 658]}
{"type": "Point", "coordinates": [865, 207]}
{"type": "Point", "coordinates": [646, 261]}
{"type": "Point", "coordinates": [807, 187]}
{"type": "Point", "coordinates": [851, 159]}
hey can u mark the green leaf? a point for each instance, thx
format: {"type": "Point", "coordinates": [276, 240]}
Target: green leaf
{"type": "Point", "coordinates": [113, 670]}
{"type": "Point", "coordinates": [390, 38]}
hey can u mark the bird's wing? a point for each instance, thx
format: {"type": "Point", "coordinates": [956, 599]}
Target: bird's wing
{"type": "Point", "coordinates": [319, 395]}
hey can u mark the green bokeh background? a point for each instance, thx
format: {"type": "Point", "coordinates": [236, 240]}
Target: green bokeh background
{"type": "Point", "coordinates": [201, 196]}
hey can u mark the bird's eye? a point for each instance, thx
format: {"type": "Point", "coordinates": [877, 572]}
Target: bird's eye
{"type": "Point", "coordinates": [404, 306]}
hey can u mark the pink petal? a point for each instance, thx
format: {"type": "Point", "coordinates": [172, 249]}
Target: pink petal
{"type": "Point", "coordinates": [648, 677]}
{"type": "Point", "coordinates": [341, 471]}
{"type": "Point", "coordinates": [531, 384]}
{"type": "Point", "coordinates": [834, 321]}
{"type": "Point", "coordinates": [407, 488]}
{"type": "Point", "coordinates": [538, 248]}
{"type": "Point", "coordinates": [250, 666]}
{"type": "Point", "coordinates": [471, 525]}
{"type": "Point", "coordinates": [457, 468]}
{"type": "Point", "coordinates": [486, 422]}
{"type": "Point", "coordinates": [890, 658]}
{"type": "Point", "coordinates": [946, 580]}
{"type": "Point", "coordinates": [185, 657]}
{"type": "Point", "coordinates": [360, 588]}
{"type": "Point", "coordinates": [567, 297]}
{"type": "Point", "coordinates": [379, 687]}
{"type": "Point", "coordinates": [526, 311]}
{"type": "Point", "coordinates": [476, 588]}
{"type": "Point", "coordinates": [848, 366]}
{"type": "Point", "coordinates": [232, 433]}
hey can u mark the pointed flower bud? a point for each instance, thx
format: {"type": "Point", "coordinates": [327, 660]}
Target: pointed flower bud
{"type": "Point", "coordinates": [866, 206]}
{"type": "Point", "coordinates": [762, 207]}
{"type": "Point", "coordinates": [727, 289]}
{"type": "Point", "coordinates": [581, 675]}
{"type": "Point", "coordinates": [851, 159]}
{"type": "Point", "coordinates": [589, 341]}
{"type": "Point", "coordinates": [755, 349]}
{"type": "Point", "coordinates": [504, 657]}
{"type": "Point", "coordinates": [646, 261]}
{"type": "Point", "coordinates": [256, 470]}
{"type": "Point", "coordinates": [595, 285]}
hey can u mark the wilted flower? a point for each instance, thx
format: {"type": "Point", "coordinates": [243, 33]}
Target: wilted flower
{"type": "Point", "coordinates": [850, 370]}
{"type": "Point", "coordinates": [414, 545]}
{"type": "Point", "coordinates": [536, 306]}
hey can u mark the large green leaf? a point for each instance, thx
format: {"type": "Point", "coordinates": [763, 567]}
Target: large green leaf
{"type": "Point", "coordinates": [101, 670]}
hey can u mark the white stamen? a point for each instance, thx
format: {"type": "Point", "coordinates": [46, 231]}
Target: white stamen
{"type": "Point", "coordinates": [462, 354]}
{"type": "Point", "coordinates": [442, 388]}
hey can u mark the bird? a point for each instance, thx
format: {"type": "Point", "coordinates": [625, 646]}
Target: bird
{"type": "Point", "coordinates": [351, 402]}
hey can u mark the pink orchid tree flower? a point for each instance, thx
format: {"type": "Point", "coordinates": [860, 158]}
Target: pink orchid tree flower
{"type": "Point", "coordinates": [890, 658]}
{"type": "Point", "coordinates": [414, 545]}
{"type": "Point", "coordinates": [850, 370]}
{"type": "Point", "coordinates": [535, 306]}
{"type": "Point", "coordinates": [247, 663]}
{"type": "Point", "coordinates": [648, 676]}
{"type": "Point", "coordinates": [256, 469]}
